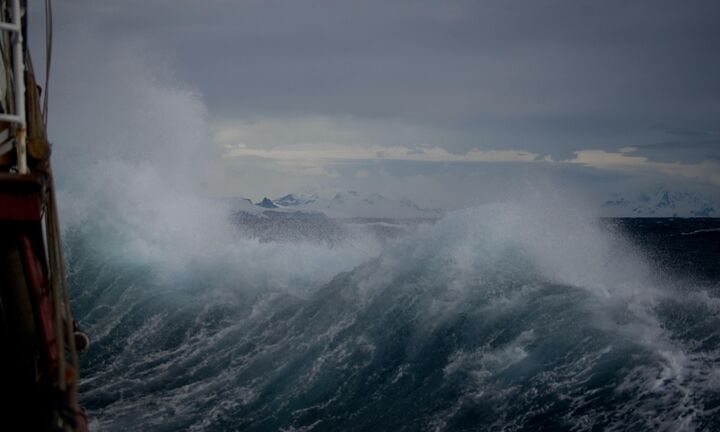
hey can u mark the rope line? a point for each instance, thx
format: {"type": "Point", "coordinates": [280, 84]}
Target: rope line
{"type": "Point", "coordinates": [48, 55]}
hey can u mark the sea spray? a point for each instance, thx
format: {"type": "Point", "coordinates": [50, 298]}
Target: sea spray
{"type": "Point", "coordinates": [523, 315]}
{"type": "Point", "coordinates": [461, 324]}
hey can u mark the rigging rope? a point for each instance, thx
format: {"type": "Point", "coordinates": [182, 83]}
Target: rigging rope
{"type": "Point", "coordinates": [63, 315]}
{"type": "Point", "coordinates": [48, 55]}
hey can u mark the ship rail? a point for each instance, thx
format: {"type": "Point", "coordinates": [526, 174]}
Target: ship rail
{"type": "Point", "coordinates": [18, 86]}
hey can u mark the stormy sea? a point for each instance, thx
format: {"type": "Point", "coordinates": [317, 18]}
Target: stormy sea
{"type": "Point", "coordinates": [500, 317]}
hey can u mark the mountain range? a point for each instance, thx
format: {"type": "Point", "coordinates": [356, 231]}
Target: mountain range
{"type": "Point", "coordinates": [660, 202]}
{"type": "Point", "coordinates": [349, 204]}
{"type": "Point", "coordinates": [657, 202]}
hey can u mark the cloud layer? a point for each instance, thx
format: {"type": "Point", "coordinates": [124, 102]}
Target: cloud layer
{"type": "Point", "coordinates": [313, 87]}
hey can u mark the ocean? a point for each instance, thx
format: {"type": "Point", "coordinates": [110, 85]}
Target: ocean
{"type": "Point", "coordinates": [493, 318]}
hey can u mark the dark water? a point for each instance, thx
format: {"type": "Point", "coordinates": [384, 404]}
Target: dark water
{"type": "Point", "coordinates": [688, 248]}
{"type": "Point", "coordinates": [486, 320]}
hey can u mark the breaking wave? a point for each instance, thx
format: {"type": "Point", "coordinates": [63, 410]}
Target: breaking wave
{"type": "Point", "coordinates": [498, 317]}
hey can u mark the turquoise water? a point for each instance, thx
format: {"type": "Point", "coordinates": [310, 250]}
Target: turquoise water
{"type": "Point", "coordinates": [489, 319]}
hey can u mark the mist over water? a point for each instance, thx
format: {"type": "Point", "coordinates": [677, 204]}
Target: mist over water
{"type": "Point", "coordinates": [478, 322]}
{"type": "Point", "coordinates": [529, 314]}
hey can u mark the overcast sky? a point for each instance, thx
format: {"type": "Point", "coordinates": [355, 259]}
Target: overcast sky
{"type": "Point", "coordinates": [425, 95]}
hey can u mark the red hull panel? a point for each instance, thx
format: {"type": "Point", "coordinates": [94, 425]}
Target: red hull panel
{"type": "Point", "coordinates": [21, 197]}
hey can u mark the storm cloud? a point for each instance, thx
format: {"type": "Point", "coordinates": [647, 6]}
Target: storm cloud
{"type": "Point", "coordinates": [549, 78]}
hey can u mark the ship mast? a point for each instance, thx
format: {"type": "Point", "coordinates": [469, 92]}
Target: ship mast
{"type": "Point", "coordinates": [37, 330]}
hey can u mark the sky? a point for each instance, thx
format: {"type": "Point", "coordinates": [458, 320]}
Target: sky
{"type": "Point", "coordinates": [438, 101]}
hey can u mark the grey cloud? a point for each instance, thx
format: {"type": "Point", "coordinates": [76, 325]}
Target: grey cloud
{"type": "Point", "coordinates": [550, 77]}
{"type": "Point", "coordinates": [686, 151]}
{"type": "Point", "coordinates": [687, 133]}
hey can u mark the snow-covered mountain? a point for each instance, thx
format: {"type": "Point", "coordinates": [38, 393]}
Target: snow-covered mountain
{"type": "Point", "coordinates": [656, 202]}
{"type": "Point", "coordinates": [328, 220]}
{"type": "Point", "coordinates": [660, 202]}
{"type": "Point", "coordinates": [349, 204]}
{"type": "Point", "coordinates": [293, 200]}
